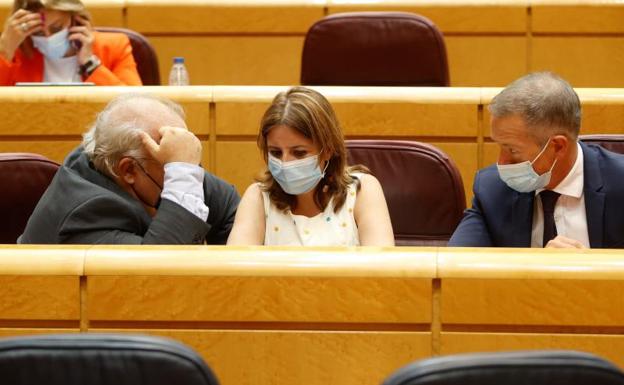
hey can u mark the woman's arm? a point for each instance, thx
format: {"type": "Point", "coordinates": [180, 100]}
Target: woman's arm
{"type": "Point", "coordinates": [250, 221]}
{"type": "Point", "coordinates": [371, 214]}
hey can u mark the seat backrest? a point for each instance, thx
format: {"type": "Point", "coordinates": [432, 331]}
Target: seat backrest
{"type": "Point", "coordinates": [100, 359]}
{"type": "Point", "coordinates": [143, 53]}
{"type": "Point", "coordinates": [374, 49]}
{"type": "Point", "coordinates": [24, 178]}
{"type": "Point", "coordinates": [612, 142]}
{"type": "Point", "coordinates": [422, 186]}
{"type": "Point", "coordinates": [557, 367]}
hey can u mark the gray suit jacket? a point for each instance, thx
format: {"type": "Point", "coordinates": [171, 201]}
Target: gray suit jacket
{"type": "Point", "coordinates": [83, 206]}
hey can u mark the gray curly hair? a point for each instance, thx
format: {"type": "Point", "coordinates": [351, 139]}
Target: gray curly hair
{"type": "Point", "coordinates": [115, 132]}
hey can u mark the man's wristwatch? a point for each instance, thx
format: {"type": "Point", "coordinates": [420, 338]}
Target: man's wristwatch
{"type": "Point", "coordinates": [90, 65]}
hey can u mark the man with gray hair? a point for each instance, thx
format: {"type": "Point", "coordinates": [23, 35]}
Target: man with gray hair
{"type": "Point", "coordinates": [547, 189]}
{"type": "Point", "coordinates": [136, 179]}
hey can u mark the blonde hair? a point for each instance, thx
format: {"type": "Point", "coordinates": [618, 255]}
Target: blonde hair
{"type": "Point", "coordinates": [76, 7]}
{"type": "Point", "coordinates": [309, 113]}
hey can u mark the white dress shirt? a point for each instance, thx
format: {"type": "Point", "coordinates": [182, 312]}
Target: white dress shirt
{"type": "Point", "coordinates": [570, 214]}
{"type": "Point", "coordinates": [184, 185]}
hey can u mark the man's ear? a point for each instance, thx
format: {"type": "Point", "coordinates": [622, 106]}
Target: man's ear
{"type": "Point", "coordinates": [126, 169]}
{"type": "Point", "coordinates": [561, 144]}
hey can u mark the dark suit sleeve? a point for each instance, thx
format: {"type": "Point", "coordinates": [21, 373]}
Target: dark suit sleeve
{"type": "Point", "coordinates": [106, 220]}
{"type": "Point", "coordinates": [472, 230]}
{"type": "Point", "coordinates": [222, 200]}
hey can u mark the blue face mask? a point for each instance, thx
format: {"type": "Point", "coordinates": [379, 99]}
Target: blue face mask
{"type": "Point", "coordinates": [522, 177]}
{"type": "Point", "coordinates": [297, 176]}
{"type": "Point", "coordinates": [54, 46]}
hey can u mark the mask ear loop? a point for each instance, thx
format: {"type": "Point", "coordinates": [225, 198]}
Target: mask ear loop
{"type": "Point", "coordinates": [325, 187]}
{"type": "Point", "coordinates": [157, 204]}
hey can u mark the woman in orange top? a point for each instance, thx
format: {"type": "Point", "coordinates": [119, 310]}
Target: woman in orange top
{"type": "Point", "coordinates": [53, 41]}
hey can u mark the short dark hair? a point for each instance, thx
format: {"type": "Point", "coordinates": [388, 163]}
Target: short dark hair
{"type": "Point", "coordinates": [546, 102]}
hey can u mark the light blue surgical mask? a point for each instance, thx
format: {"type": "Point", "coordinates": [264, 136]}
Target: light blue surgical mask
{"type": "Point", "coordinates": [297, 176]}
{"type": "Point", "coordinates": [54, 46]}
{"type": "Point", "coordinates": [522, 177]}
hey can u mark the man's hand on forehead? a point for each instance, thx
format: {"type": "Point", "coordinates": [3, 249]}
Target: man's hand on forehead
{"type": "Point", "coordinates": [177, 144]}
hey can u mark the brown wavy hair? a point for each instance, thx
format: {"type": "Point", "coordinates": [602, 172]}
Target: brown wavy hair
{"type": "Point", "coordinates": [310, 114]}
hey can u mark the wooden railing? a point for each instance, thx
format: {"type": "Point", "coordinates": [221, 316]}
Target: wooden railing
{"type": "Point", "coordinates": [320, 315]}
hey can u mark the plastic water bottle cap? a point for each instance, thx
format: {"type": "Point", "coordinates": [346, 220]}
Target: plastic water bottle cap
{"type": "Point", "coordinates": [178, 59]}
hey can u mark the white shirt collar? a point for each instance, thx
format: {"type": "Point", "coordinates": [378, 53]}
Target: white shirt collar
{"type": "Point", "coordinates": [572, 184]}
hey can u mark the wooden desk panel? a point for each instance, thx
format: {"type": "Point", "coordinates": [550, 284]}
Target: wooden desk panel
{"type": "Point", "coordinates": [492, 287]}
{"type": "Point", "coordinates": [249, 357]}
{"type": "Point", "coordinates": [40, 284]}
{"type": "Point", "coordinates": [262, 299]}
{"type": "Point", "coordinates": [522, 302]}
{"type": "Point", "coordinates": [609, 346]}
{"type": "Point", "coordinates": [39, 298]}
{"type": "Point", "coordinates": [20, 332]}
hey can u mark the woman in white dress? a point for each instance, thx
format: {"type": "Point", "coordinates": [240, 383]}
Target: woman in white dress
{"type": "Point", "coordinates": [309, 195]}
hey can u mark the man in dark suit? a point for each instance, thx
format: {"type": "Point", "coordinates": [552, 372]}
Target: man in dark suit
{"type": "Point", "coordinates": [136, 179]}
{"type": "Point", "coordinates": [547, 189]}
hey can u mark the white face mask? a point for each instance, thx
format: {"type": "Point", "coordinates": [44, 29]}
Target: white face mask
{"type": "Point", "coordinates": [54, 46]}
{"type": "Point", "coordinates": [522, 177]}
{"type": "Point", "coordinates": [297, 176]}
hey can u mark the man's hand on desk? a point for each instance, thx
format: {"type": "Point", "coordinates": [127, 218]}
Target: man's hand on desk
{"type": "Point", "coordinates": [561, 242]}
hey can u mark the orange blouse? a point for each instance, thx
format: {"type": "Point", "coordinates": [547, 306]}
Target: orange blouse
{"type": "Point", "coordinates": [114, 50]}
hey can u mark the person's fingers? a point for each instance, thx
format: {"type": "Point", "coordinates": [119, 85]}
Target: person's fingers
{"type": "Point", "coordinates": [149, 143]}
{"type": "Point", "coordinates": [35, 29]}
{"type": "Point", "coordinates": [80, 29]}
{"type": "Point", "coordinates": [30, 19]}
{"type": "Point", "coordinates": [78, 37]}
{"type": "Point", "coordinates": [564, 242]}
{"type": "Point", "coordinates": [83, 21]}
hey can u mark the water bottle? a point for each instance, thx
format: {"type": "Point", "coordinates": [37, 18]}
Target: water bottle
{"type": "Point", "coordinates": [179, 75]}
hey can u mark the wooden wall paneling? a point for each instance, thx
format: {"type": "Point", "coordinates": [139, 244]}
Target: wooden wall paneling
{"type": "Point", "coordinates": [225, 17]}
{"type": "Point", "coordinates": [465, 157]}
{"type": "Point", "coordinates": [486, 60]}
{"type": "Point", "coordinates": [253, 43]}
{"type": "Point", "coordinates": [56, 150]}
{"type": "Point", "coordinates": [584, 61]}
{"type": "Point", "coordinates": [577, 17]}
{"type": "Point", "coordinates": [239, 162]}
{"type": "Point", "coordinates": [232, 59]}
{"type": "Point", "coordinates": [450, 16]}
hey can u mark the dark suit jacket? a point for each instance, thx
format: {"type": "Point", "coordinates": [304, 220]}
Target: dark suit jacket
{"type": "Point", "coordinates": [501, 216]}
{"type": "Point", "coordinates": [83, 206]}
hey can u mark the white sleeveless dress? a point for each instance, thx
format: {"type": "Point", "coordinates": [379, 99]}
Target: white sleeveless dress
{"type": "Point", "coordinates": [325, 229]}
